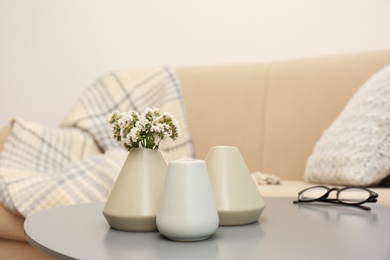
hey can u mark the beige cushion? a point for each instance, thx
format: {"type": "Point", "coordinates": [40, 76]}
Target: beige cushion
{"type": "Point", "coordinates": [17, 250]}
{"type": "Point", "coordinates": [4, 132]}
{"type": "Point", "coordinates": [11, 226]}
{"type": "Point", "coordinates": [273, 112]}
{"type": "Point", "coordinates": [304, 97]}
{"type": "Point", "coordinates": [225, 106]}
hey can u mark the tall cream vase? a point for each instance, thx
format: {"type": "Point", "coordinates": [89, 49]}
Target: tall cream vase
{"type": "Point", "coordinates": [238, 199]}
{"type": "Point", "coordinates": [133, 202]}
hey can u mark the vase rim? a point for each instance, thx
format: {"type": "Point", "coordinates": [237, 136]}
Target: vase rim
{"type": "Point", "coordinates": [143, 148]}
{"type": "Point", "coordinates": [186, 161]}
{"type": "Point", "coordinates": [224, 147]}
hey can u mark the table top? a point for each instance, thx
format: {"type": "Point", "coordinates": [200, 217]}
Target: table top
{"type": "Point", "coordinates": [284, 231]}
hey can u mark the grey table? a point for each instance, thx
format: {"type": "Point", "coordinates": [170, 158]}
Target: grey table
{"type": "Point", "coordinates": [284, 231]}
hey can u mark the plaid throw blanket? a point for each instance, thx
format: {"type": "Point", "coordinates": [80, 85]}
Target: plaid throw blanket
{"type": "Point", "coordinates": [78, 162]}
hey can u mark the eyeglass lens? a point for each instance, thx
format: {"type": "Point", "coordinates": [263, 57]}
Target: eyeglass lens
{"type": "Point", "coordinates": [353, 195]}
{"type": "Point", "coordinates": [313, 193]}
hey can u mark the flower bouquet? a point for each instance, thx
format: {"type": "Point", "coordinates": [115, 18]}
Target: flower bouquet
{"type": "Point", "coordinates": [145, 130]}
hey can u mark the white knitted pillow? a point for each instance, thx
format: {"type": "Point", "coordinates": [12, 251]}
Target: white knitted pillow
{"type": "Point", "coordinates": [355, 149]}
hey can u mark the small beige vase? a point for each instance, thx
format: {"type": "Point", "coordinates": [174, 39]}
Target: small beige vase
{"type": "Point", "coordinates": [238, 199]}
{"type": "Point", "coordinates": [133, 202]}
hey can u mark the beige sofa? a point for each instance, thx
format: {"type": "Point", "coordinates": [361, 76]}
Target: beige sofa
{"type": "Point", "coordinates": [273, 112]}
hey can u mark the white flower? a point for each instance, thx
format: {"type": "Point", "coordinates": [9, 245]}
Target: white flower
{"type": "Point", "coordinates": [147, 129]}
{"type": "Point", "coordinates": [157, 139]}
{"type": "Point", "coordinates": [134, 134]}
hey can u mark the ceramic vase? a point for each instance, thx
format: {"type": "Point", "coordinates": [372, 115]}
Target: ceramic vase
{"type": "Point", "coordinates": [133, 202]}
{"type": "Point", "coordinates": [238, 199]}
{"type": "Point", "coordinates": [187, 210]}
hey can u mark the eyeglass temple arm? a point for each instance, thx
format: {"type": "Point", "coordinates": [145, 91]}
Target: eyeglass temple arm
{"type": "Point", "coordinates": [334, 201]}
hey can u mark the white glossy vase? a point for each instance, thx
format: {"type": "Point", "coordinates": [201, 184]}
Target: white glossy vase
{"type": "Point", "coordinates": [133, 202]}
{"type": "Point", "coordinates": [187, 209]}
{"type": "Point", "coordinates": [238, 199]}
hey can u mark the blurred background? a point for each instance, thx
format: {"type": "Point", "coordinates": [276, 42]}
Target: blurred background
{"type": "Point", "coordinates": [51, 50]}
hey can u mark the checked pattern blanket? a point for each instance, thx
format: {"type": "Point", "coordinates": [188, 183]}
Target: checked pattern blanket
{"type": "Point", "coordinates": [78, 162]}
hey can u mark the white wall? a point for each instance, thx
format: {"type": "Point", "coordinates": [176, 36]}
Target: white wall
{"type": "Point", "coordinates": [50, 50]}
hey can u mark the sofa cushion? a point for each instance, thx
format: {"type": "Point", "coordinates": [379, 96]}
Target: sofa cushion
{"type": "Point", "coordinates": [11, 225]}
{"type": "Point", "coordinates": [225, 105]}
{"type": "Point", "coordinates": [11, 249]}
{"type": "Point", "coordinates": [355, 149]}
{"type": "Point", "coordinates": [4, 132]}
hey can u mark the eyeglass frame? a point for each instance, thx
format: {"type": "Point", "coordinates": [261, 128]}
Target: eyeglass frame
{"type": "Point", "coordinates": [324, 198]}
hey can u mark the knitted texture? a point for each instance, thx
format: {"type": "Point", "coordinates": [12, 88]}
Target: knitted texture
{"type": "Point", "coordinates": [355, 149]}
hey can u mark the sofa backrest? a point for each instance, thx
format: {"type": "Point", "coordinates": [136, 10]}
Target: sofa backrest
{"type": "Point", "coordinates": [273, 112]}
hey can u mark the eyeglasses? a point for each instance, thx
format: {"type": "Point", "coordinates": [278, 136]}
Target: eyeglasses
{"type": "Point", "coordinates": [352, 196]}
